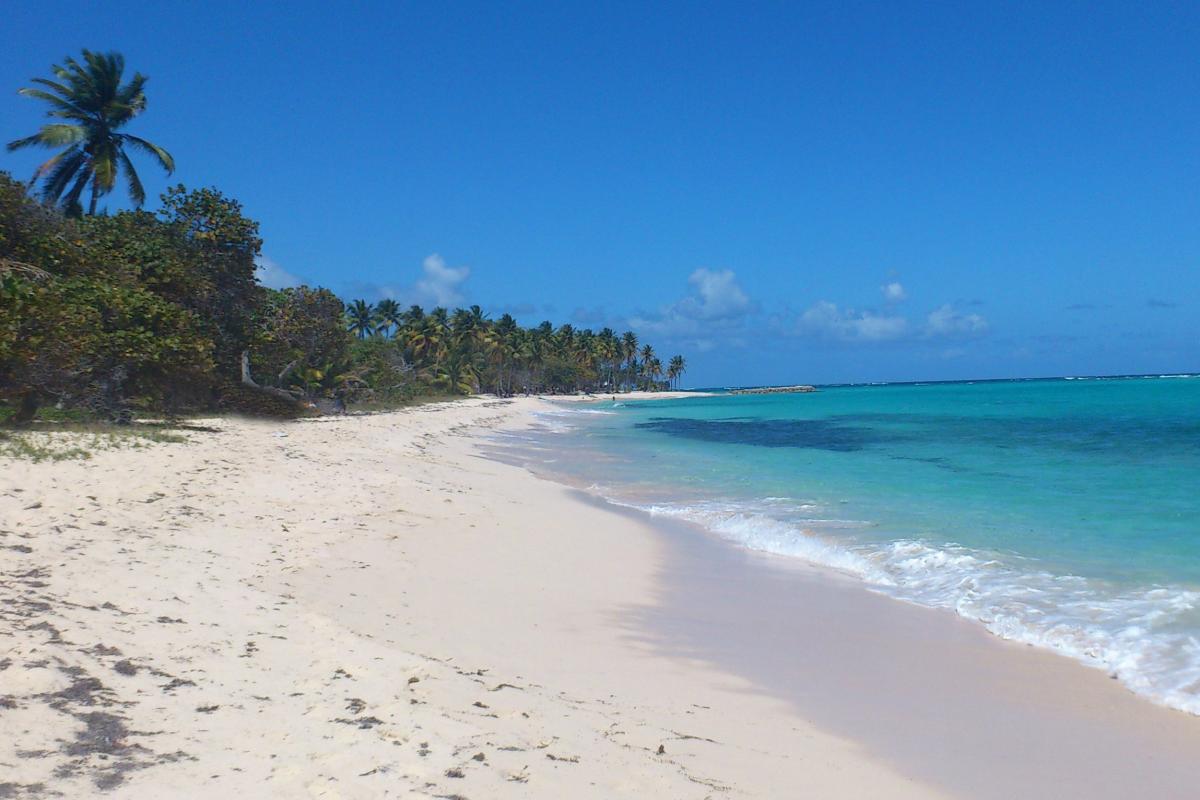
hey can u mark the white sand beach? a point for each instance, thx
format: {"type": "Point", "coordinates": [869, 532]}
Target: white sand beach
{"type": "Point", "coordinates": [361, 607]}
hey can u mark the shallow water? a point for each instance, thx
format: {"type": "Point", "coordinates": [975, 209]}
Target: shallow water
{"type": "Point", "coordinates": [1062, 513]}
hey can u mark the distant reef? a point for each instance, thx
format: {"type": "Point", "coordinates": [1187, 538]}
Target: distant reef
{"type": "Point", "coordinates": [775, 390]}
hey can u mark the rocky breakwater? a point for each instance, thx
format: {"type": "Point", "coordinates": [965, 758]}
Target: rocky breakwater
{"type": "Point", "coordinates": [775, 390]}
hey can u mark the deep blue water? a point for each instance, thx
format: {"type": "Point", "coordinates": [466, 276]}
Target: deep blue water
{"type": "Point", "coordinates": [1064, 513]}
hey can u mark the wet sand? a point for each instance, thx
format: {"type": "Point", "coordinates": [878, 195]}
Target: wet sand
{"type": "Point", "coordinates": [927, 692]}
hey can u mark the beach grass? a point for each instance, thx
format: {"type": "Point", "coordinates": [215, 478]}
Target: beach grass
{"type": "Point", "coordinates": [73, 440]}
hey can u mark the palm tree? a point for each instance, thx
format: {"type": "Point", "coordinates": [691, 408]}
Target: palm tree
{"type": "Point", "coordinates": [440, 318]}
{"type": "Point", "coordinates": [653, 371]}
{"type": "Point", "coordinates": [457, 374]}
{"type": "Point", "coordinates": [360, 318]}
{"type": "Point", "coordinates": [388, 316]}
{"type": "Point", "coordinates": [607, 348]}
{"type": "Point", "coordinates": [468, 324]}
{"type": "Point", "coordinates": [94, 105]}
{"type": "Point", "coordinates": [411, 321]}
{"type": "Point", "coordinates": [425, 340]}
{"type": "Point", "coordinates": [505, 352]}
{"type": "Point", "coordinates": [413, 316]}
{"type": "Point", "coordinates": [647, 358]}
{"type": "Point", "coordinates": [629, 348]}
{"type": "Point", "coordinates": [675, 369]}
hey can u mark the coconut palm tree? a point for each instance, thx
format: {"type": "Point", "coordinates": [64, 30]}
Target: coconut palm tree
{"type": "Point", "coordinates": [653, 368]}
{"type": "Point", "coordinates": [647, 357]}
{"type": "Point", "coordinates": [607, 348]}
{"type": "Point", "coordinates": [467, 325]}
{"type": "Point", "coordinates": [388, 316]}
{"type": "Point", "coordinates": [360, 318]}
{"type": "Point", "coordinates": [675, 369]}
{"type": "Point", "coordinates": [457, 374]}
{"type": "Point", "coordinates": [440, 318]}
{"type": "Point", "coordinates": [426, 340]}
{"type": "Point", "coordinates": [629, 348]}
{"type": "Point", "coordinates": [93, 105]}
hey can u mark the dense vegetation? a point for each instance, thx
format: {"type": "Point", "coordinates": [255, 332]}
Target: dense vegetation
{"type": "Point", "coordinates": [163, 311]}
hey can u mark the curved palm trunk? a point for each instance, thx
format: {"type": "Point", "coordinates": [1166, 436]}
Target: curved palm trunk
{"type": "Point", "coordinates": [248, 380]}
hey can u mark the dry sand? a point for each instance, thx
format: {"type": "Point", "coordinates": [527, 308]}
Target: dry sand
{"type": "Point", "coordinates": [361, 607]}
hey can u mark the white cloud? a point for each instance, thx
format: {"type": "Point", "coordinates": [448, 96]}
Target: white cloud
{"type": "Point", "coordinates": [439, 285]}
{"type": "Point", "coordinates": [716, 296]}
{"type": "Point", "coordinates": [273, 276]}
{"type": "Point", "coordinates": [948, 321]}
{"type": "Point", "coordinates": [828, 321]}
{"type": "Point", "coordinates": [715, 300]}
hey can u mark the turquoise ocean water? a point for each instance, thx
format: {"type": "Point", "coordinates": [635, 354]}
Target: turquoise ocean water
{"type": "Point", "coordinates": [1063, 513]}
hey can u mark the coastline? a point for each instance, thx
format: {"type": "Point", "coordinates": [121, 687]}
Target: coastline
{"type": "Point", "coordinates": [359, 607]}
{"type": "Point", "coordinates": [934, 694]}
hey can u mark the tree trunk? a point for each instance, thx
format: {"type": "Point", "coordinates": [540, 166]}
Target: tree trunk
{"type": "Point", "coordinates": [28, 408]}
{"type": "Point", "coordinates": [287, 370]}
{"type": "Point", "coordinates": [95, 197]}
{"type": "Point", "coordinates": [248, 380]}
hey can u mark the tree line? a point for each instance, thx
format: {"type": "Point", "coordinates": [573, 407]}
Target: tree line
{"type": "Point", "coordinates": [163, 310]}
{"type": "Point", "coordinates": [463, 350]}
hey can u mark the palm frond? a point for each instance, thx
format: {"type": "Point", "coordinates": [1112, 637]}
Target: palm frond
{"type": "Point", "coordinates": [8, 266]}
{"type": "Point", "coordinates": [52, 135]}
{"type": "Point", "coordinates": [56, 86]}
{"type": "Point", "coordinates": [104, 167]}
{"type": "Point", "coordinates": [28, 141]}
{"type": "Point", "coordinates": [65, 108]}
{"type": "Point", "coordinates": [132, 95]}
{"type": "Point", "coordinates": [62, 168]}
{"type": "Point", "coordinates": [134, 184]}
{"type": "Point", "coordinates": [79, 82]}
{"type": "Point", "coordinates": [57, 134]}
{"type": "Point", "coordinates": [164, 158]}
{"type": "Point", "coordinates": [71, 200]}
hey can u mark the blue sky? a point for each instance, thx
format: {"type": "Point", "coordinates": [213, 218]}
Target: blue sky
{"type": "Point", "coordinates": [781, 192]}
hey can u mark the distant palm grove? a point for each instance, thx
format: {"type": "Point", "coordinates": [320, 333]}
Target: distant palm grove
{"type": "Point", "coordinates": [464, 351]}
{"type": "Point", "coordinates": [162, 311]}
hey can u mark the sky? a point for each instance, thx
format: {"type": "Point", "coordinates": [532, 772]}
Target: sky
{"type": "Point", "coordinates": [781, 192]}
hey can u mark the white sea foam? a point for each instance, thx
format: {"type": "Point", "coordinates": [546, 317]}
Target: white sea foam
{"type": "Point", "coordinates": [763, 533]}
{"type": "Point", "coordinates": [553, 425]}
{"type": "Point", "coordinates": [558, 418]}
{"type": "Point", "coordinates": [562, 411]}
{"type": "Point", "coordinates": [1143, 637]}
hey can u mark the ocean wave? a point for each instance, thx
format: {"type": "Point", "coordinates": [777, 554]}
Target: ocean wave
{"type": "Point", "coordinates": [1144, 637]}
{"type": "Point", "coordinates": [566, 412]}
{"type": "Point", "coordinates": [763, 533]}
{"type": "Point", "coordinates": [557, 420]}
